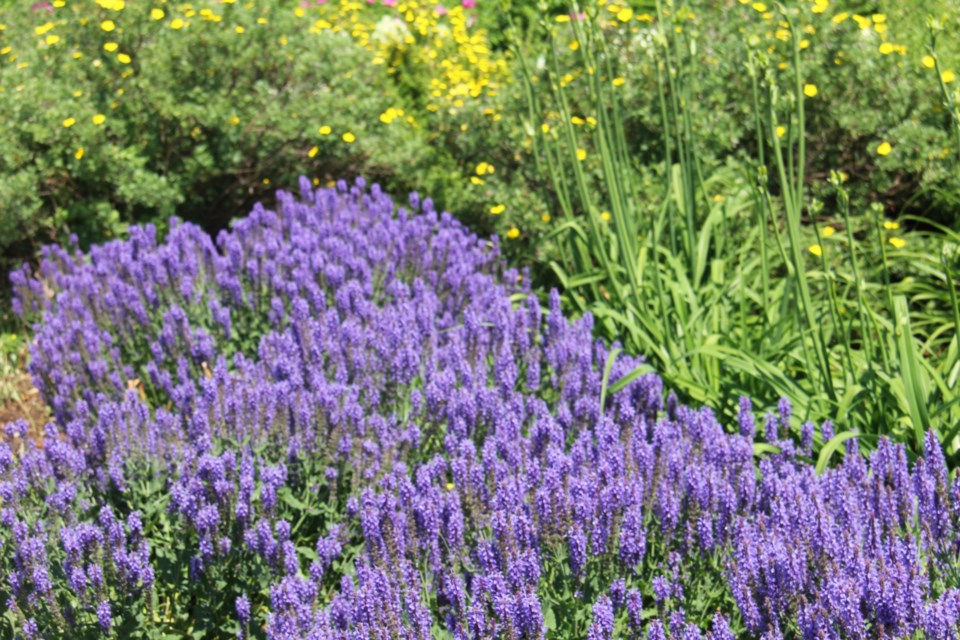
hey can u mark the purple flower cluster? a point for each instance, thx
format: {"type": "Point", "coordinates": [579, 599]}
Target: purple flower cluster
{"type": "Point", "coordinates": [375, 377]}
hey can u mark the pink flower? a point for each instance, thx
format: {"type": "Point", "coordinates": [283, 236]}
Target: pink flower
{"type": "Point", "coordinates": [468, 4]}
{"type": "Point", "coordinates": [440, 10]}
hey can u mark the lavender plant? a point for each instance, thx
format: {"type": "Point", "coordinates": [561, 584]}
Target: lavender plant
{"type": "Point", "coordinates": [346, 419]}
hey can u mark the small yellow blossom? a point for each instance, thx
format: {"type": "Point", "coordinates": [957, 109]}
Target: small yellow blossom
{"type": "Point", "coordinates": [884, 148]}
{"type": "Point", "coordinates": [545, 128]}
{"type": "Point", "coordinates": [625, 14]}
{"type": "Point", "coordinates": [110, 46]}
{"type": "Point", "coordinates": [514, 233]}
{"type": "Point", "coordinates": [52, 39]}
{"type": "Point", "coordinates": [78, 154]}
{"type": "Point", "coordinates": [99, 119]}
{"type": "Point", "coordinates": [948, 76]}
{"type": "Point", "coordinates": [157, 14]}
{"type": "Point", "coordinates": [313, 152]}
{"type": "Point", "coordinates": [348, 137]}
{"type": "Point", "coordinates": [828, 231]}
{"type": "Point", "coordinates": [574, 45]}
{"type": "Point", "coordinates": [545, 217]}
{"type": "Point", "coordinates": [325, 130]}
{"type": "Point", "coordinates": [497, 209]}
{"type": "Point", "coordinates": [618, 82]}
{"type": "Point", "coordinates": [108, 25]}
{"type": "Point", "coordinates": [781, 131]}
{"type": "Point", "coordinates": [898, 243]}
{"type": "Point", "coordinates": [581, 154]}
{"type": "Point", "coordinates": [477, 181]}
{"type": "Point", "coordinates": [605, 216]}
{"type": "Point", "coordinates": [886, 48]}
{"type": "Point", "coordinates": [815, 249]}
{"type": "Point", "coordinates": [240, 29]}
{"type": "Point", "coordinates": [69, 122]}
{"type": "Point", "coordinates": [176, 23]}
{"type": "Point", "coordinates": [890, 225]}
{"type": "Point", "coordinates": [810, 90]}
{"type": "Point", "coordinates": [123, 58]}
{"type": "Point", "coordinates": [234, 120]}
{"type": "Point", "coordinates": [577, 120]}
{"type": "Point", "coordinates": [928, 62]}
{"type": "Point", "coordinates": [563, 18]}
{"type": "Point", "coordinates": [759, 6]}
{"type": "Point", "coordinates": [42, 29]}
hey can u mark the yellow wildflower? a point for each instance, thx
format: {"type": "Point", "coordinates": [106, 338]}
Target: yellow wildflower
{"type": "Point", "coordinates": [123, 58]}
{"type": "Point", "coordinates": [477, 181]}
{"type": "Point", "coordinates": [618, 82]}
{"type": "Point", "coordinates": [78, 154]}
{"type": "Point", "coordinates": [325, 130]}
{"type": "Point", "coordinates": [890, 225]}
{"type": "Point", "coordinates": [759, 6]}
{"type": "Point", "coordinates": [810, 90]}
{"type": "Point", "coordinates": [948, 76]}
{"type": "Point", "coordinates": [313, 152]}
{"type": "Point", "coordinates": [99, 119]}
{"type": "Point", "coordinates": [108, 25]}
{"type": "Point", "coordinates": [514, 233]}
{"type": "Point", "coordinates": [884, 148]}
{"type": "Point", "coordinates": [886, 48]}
{"type": "Point", "coordinates": [581, 154]}
{"type": "Point", "coordinates": [827, 231]}
{"type": "Point", "coordinates": [898, 243]}
{"type": "Point", "coordinates": [69, 122]}
{"type": "Point", "coordinates": [348, 137]}
{"type": "Point", "coordinates": [176, 23]}
{"type": "Point", "coordinates": [497, 209]}
{"type": "Point", "coordinates": [52, 39]}
{"type": "Point", "coordinates": [110, 46]}
{"type": "Point", "coordinates": [928, 61]}
{"type": "Point", "coordinates": [815, 249]}
{"type": "Point", "coordinates": [625, 15]}
{"type": "Point", "coordinates": [157, 14]}
{"type": "Point", "coordinates": [781, 131]}
{"type": "Point", "coordinates": [545, 217]}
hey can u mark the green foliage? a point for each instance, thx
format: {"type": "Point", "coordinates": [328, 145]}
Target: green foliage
{"type": "Point", "coordinates": [724, 265]}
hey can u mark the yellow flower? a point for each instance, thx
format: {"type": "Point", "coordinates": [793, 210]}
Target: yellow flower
{"type": "Point", "coordinates": [497, 209]}
{"type": "Point", "coordinates": [810, 90]}
{"type": "Point", "coordinates": [577, 120]}
{"type": "Point", "coordinates": [827, 231]}
{"type": "Point", "coordinates": [625, 15]}
{"type": "Point", "coordinates": [99, 119]}
{"type": "Point", "coordinates": [898, 243]}
{"type": "Point", "coordinates": [108, 26]}
{"type": "Point", "coordinates": [78, 154]}
{"type": "Point", "coordinates": [69, 122]}
{"type": "Point", "coordinates": [234, 120]}
{"type": "Point", "coordinates": [110, 46]}
{"type": "Point", "coordinates": [574, 45]}
{"type": "Point", "coordinates": [482, 168]}
{"type": "Point", "coordinates": [886, 48]}
{"type": "Point", "coordinates": [879, 18]}
{"type": "Point", "coordinates": [759, 6]}
{"type": "Point", "coordinates": [239, 29]}
{"type": "Point", "coordinates": [890, 225]}
{"type": "Point", "coordinates": [52, 39]}
{"type": "Point", "coordinates": [514, 233]}
{"type": "Point", "coordinates": [563, 18]}
{"type": "Point", "coordinates": [948, 76]}
{"type": "Point", "coordinates": [42, 29]}
{"type": "Point", "coordinates": [348, 137]}
{"type": "Point", "coordinates": [928, 61]}
{"type": "Point", "coordinates": [815, 249]}
{"type": "Point", "coordinates": [176, 23]}
{"type": "Point", "coordinates": [123, 58]}
{"type": "Point", "coordinates": [325, 130]}
{"type": "Point", "coordinates": [545, 217]}
{"type": "Point", "coordinates": [884, 148]}
{"type": "Point", "coordinates": [840, 17]}
{"type": "Point", "coordinates": [266, 181]}
{"type": "Point", "coordinates": [581, 154]}
{"type": "Point", "coordinates": [157, 14]}
{"type": "Point", "coordinates": [545, 128]}
{"type": "Point", "coordinates": [781, 131]}
{"type": "Point", "coordinates": [605, 216]}
{"type": "Point", "coordinates": [475, 180]}
{"type": "Point", "coordinates": [618, 82]}
{"type": "Point", "coordinates": [313, 151]}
